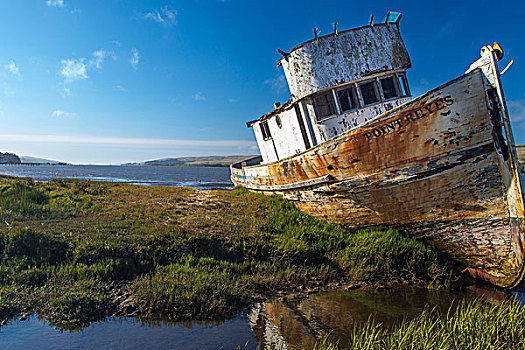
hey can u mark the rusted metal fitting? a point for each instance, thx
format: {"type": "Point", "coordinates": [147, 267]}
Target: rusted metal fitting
{"type": "Point", "coordinates": [496, 48]}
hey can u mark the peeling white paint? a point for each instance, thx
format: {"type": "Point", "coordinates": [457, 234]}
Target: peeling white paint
{"type": "Point", "coordinates": [342, 58]}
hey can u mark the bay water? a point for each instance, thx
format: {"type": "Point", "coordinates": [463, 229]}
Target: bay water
{"type": "Point", "coordinates": [196, 177]}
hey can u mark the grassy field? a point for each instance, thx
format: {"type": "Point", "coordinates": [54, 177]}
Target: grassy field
{"type": "Point", "coordinates": [78, 251]}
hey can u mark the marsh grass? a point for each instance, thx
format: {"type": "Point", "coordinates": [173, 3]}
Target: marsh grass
{"type": "Point", "coordinates": [74, 303]}
{"type": "Point", "coordinates": [470, 325]}
{"type": "Point", "coordinates": [22, 198]}
{"type": "Point", "coordinates": [78, 251]}
{"type": "Point", "coordinates": [194, 288]}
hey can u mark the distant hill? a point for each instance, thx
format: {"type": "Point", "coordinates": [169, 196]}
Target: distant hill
{"type": "Point", "coordinates": [9, 158]}
{"type": "Point", "coordinates": [214, 161]}
{"type": "Point", "coordinates": [35, 160]}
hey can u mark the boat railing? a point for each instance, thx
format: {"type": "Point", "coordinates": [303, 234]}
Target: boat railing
{"type": "Point", "coordinates": [247, 162]}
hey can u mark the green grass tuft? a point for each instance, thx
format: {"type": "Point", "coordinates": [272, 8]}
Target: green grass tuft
{"type": "Point", "coordinates": [470, 325]}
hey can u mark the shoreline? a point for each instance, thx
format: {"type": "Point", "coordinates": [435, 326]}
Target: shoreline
{"type": "Point", "coordinates": [211, 180]}
{"type": "Point", "coordinates": [120, 165]}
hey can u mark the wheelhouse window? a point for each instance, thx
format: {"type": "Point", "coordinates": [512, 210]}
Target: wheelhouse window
{"type": "Point", "coordinates": [403, 85]}
{"type": "Point", "coordinates": [347, 99]}
{"type": "Point", "coordinates": [369, 93]}
{"type": "Point", "coordinates": [389, 88]}
{"type": "Point", "coordinates": [324, 105]}
{"type": "Point", "coordinates": [360, 94]}
{"type": "Point", "coordinates": [265, 130]}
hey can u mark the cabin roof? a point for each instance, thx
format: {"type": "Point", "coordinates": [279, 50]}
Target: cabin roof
{"type": "Point", "coordinates": [287, 105]}
{"type": "Point", "coordinates": [334, 34]}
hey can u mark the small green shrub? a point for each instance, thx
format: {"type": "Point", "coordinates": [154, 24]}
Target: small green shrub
{"type": "Point", "coordinates": [13, 299]}
{"type": "Point", "coordinates": [192, 289]}
{"type": "Point", "coordinates": [75, 303]}
{"type": "Point", "coordinates": [32, 247]}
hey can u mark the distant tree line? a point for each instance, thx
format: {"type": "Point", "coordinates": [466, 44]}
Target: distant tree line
{"type": "Point", "coordinates": [9, 158]}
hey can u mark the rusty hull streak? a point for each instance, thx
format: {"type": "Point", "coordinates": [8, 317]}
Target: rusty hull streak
{"type": "Point", "coordinates": [431, 166]}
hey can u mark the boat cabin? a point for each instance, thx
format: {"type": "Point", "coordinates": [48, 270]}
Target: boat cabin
{"type": "Point", "coordinates": [337, 82]}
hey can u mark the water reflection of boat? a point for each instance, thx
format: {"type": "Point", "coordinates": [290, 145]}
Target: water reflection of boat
{"type": "Point", "coordinates": [297, 325]}
{"type": "Point", "coordinates": [275, 325]}
{"type": "Point", "coordinates": [353, 146]}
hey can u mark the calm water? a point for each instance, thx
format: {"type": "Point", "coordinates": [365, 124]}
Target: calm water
{"type": "Point", "coordinates": [196, 177]}
{"type": "Point", "coordinates": [128, 334]}
{"type": "Point", "coordinates": [290, 325]}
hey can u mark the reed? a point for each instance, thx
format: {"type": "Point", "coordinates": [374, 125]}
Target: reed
{"type": "Point", "coordinates": [23, 198]}
{"type": "Point", "coordinates": [469, 325]}
{"type": "Point", "coordinates": [193, 288]}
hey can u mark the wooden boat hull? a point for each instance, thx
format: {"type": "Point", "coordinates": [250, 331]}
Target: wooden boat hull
{"type": "Point", "coordinates": [437, 166]}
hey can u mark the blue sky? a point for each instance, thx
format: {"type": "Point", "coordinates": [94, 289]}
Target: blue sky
{"type": "Point", "coordinates": [89, 81]}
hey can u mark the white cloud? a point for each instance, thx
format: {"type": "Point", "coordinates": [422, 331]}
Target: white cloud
{"type": "Point", "coordinates": [278, 83]}
{"type": "Point", "coordinates": [56, 3]}
{"type": "Point", "coordinates": [57, 113]}
{"type": "Point", "coordinates": [74, 69]}
{"type": "Point", "coordinates": [78, 68]}
{"type": "Point", "coordinates": [64, 90]}
{"type": "Point", "coordinates": [7, 90]}
{"type": "Point", "coordinates": [199, 96]}
{"type": "Point", "coordinates": [120, 88]}
{"type": "Point", "coordinates": [99, 57]}
{"type": "Point", "coordinates": [135, 58]}
{"type": "Point", "coordinates": [124, 141]}
{"type": "Point", "coordinates": [164, 15]}
{"type": "Point", "coordinates": [13, 69]}
{"type": "Point", "coordinates": [516, 110]}
{"type": "Point", "coordinates": [233, 100]}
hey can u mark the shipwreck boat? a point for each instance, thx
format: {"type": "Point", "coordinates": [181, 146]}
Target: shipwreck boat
{"type": "Point", "coordinates": [353, 146]}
